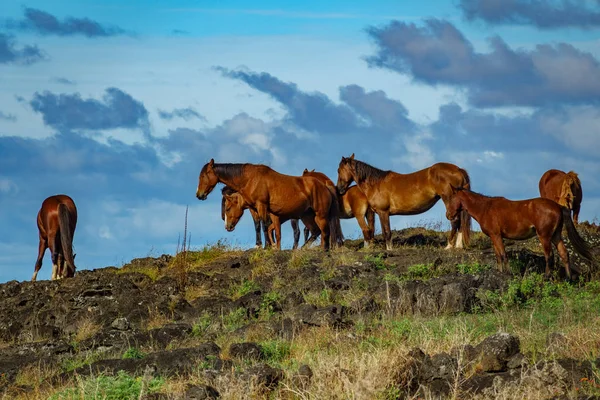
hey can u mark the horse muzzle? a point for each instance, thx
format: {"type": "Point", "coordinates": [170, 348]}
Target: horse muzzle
{"type": "Point", "coordinates": [202, 196]}
{"type": "Point", "coordinates": [230, 228]}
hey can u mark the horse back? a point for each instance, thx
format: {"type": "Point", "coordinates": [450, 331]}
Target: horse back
{"type": "Point", "coordinates": [551, 183]}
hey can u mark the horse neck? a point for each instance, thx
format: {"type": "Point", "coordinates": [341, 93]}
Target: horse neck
{"type": "Point", "coordinates": [474, 203]}
{"type": "Point", "coordinates": [234, 181]}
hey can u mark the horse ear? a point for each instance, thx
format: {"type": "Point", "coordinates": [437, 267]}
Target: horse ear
{"type": "Point", "coordinates": [305, 171]}
{"type": "Point", "coordinates": [313, 170]}
{"type": "Point", "coordinates": [352, 156]}
{"type": "Point", "coordinates": [211, 162]}
{"type": "Point", "coordinates": [454, 189]}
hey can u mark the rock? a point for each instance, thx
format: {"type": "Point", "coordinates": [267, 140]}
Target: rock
{"type": "Point", "coordinates": [121, 324]}
{"type": "Point", "coordinates": [502, 345]}
{"type": "Point", "coordinates": [263, 375]}
{"type": "Point", "coordinates": [312, 315]}
{"type": "Point", "coordinates": [555, 341]}
{"type": "Point", "coordinates": [200, 392]}
{"type": "Point", "coordinates": [303, 377]}
{"type": "Point", "coordinates": [246, 351]}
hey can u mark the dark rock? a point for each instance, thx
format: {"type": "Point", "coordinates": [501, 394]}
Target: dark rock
{"type": "Point", "coordinates": [252, 302]}
{"type": "Point", "coordinates": [502, 345]}
{"type": "Point", "coordinates": [200, 392]}
{"type": "Point", "coordinates": [263, 375]}
{"type": "Point", "coordinates": [337, 284]}
{"type": "Point", "coordinates": [311, 315]}
{"type": "Point", "coordinates": [246, 351]}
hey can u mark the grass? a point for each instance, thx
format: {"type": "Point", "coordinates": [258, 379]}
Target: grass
{"type": "Point", "coordinates": [243, 288]}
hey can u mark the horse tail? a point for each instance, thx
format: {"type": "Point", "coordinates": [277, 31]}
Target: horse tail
{"type": "Point", "coordinates": [335, 227]}
{"type": "Point", "coordinates": [66, 237]}
{"type": "Point", "coordinates": [370, 214]}
{"type": "Point", "coordinates": [465, 217]}
{"type": "Point", "coordinates": [577, 241]}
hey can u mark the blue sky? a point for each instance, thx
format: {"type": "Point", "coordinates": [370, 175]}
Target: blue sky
{"type": "Point", "coordinates": [119, 106]}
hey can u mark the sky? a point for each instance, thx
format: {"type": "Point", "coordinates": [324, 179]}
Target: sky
{"type": "Point", "coordinates": [119, 105]}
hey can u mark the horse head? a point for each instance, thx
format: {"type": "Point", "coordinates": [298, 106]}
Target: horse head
{"type": "Point", "coordinates": [345, 174]}
{"type": "Point", "coordinates": [234, 209]}
{"type": "Point", "coordinates": [454, 206]}
{"type": "Point", "coordinates": [207, 180]}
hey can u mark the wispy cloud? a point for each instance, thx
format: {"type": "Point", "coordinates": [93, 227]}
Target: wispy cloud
{"type": "Point", "coordinates": [11, 54]}
{"type": "Point", "coordinates": [184, 113]}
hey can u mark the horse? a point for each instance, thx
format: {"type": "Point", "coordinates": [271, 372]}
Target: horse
{"type": "Point", "coordinates": [563, 188]}
{"type": "Point", "coordinates": [391, 193]}
{"type": "Point", "coordinates": [279, 196]}
{"type": "Point", "coordinates": [257, 223]}
{"type": "Point", "coordinates": [352, 204]}
{"type": "Point", "coordinates": [501, 218]}
{"type": "Point", "coordinates": [56, 223]}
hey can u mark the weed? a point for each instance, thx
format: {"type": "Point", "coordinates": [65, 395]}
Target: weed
{"type": "Point", "coordinates": [200, 328]}
{"type": "Point", "coordinates": [122, 386]}
{"type": "Point", "coordinates": [235, 319]}
{"type": "Point", "coordinates": [420, 271]}
{"type": "Point", "coordinates": [269, 303]}
{"type": "Point", "coordinates": [133, 352]}
{"type": "Point", "coordinates": [473, 268]}
{"type": "Point", "coordinates": [243, 288]}
{"type": "Point", "coordinates": [377, 261]}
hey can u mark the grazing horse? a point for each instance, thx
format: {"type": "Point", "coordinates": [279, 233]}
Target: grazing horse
{"type": "Point", "coordinates": [391, 193]}
{"type": "Point", "coordinates": [501, 218]}
{"type": "Point", "coordinates": [257, 223]}
{"type": "Point", "coordinates": [56, 223]}
{"type": "Point", "coordinates": [352, 204]}
{"type": "Point", "coordinates": [563, 188]}
{"type": "Point", "coordinates": [278, 196]}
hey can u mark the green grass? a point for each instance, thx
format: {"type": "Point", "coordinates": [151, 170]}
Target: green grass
{"type": "Point", "coordinates": [122, 386]}
{"type": "Point", "coordinates": [243, 288]}
{"type": "Point", "coordinates": [133, 352]}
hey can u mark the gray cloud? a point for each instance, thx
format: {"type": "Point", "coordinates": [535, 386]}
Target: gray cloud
{"type": "Point", "coordinates": [69, 111]}
{"type": "Point", "coordinates": [541, 14]}
{"type": "Point", "coordinates": [314, 112]}
{"type": "Point", "coordinates": [438, 53]}
{"type": "Point", "coordinates": [8, 117]}
{"type": "Point", "coordinates": [63, 81]}
{"type": "Point", "coordinates": [10, 54]}
{"type": "Point", "coordinates": [184, 113]}
{"type": "Point", "coordinates": [44, 23]}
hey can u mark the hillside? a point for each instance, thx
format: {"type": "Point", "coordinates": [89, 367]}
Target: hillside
{"type": "Point", "coordinates": [415, 322]}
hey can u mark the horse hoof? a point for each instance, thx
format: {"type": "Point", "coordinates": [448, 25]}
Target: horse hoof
{"type": "Point", "coordinates": [448, 247]}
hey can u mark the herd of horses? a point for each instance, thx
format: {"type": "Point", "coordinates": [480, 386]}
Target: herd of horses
{"type": "Point", "coordinates": [274, 198]}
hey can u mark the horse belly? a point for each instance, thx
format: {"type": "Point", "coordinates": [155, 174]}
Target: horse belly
{"type": "Point", "coordinates": [521, 234]}
{"type": "Point", "coordinates": [411, 205]}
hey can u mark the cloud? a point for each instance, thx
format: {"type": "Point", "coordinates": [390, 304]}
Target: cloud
{"type": "Point", "coordinates": [10, 54]}
{"type": "Point", "coordinates": [379, 110]}
{"type": "Point", "coordinates": [438, 53]}
{"type": "Point", "coordinates": [63, 81]}
{"type": "Point", "coordinates": [70, 112]}
{"type": "Point", "coordinates": [8, 117]}
{"type": "Point", "coordinates": [314, 112]}
{"type": "Point", "coordinates": [184, 113]}
{"type": "Point", "coordinates": [541, 14]}
{"type": "Point", "coordinates": [44, 23]}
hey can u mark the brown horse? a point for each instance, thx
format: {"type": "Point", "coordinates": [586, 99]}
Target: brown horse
{"type": "Point", "coordinates": [563, 188]}
{"type": "Point", "coordinates": [352, 204]}
{"type": "Point", "coordinates": [277, 195]}
{"type": "Point", "coordinates": [390, 193]}
{"type": "Point", "coordinates": [56, 223]}
{"type": "Point", "coordinates": [269, 240]}
{"type": "Point", "coordinates": [519, 220]}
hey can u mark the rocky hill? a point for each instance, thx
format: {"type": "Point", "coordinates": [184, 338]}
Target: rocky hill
{"type": "Point", "coordinates": [415, 322]}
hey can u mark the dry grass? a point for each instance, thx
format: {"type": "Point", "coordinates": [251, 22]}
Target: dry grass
{"type": "Point", "coordinates": [194, 292]}
{"type": "Point", "coordinates": [86, 328]}
{"type": "Point", "coordinates": [156, 319]}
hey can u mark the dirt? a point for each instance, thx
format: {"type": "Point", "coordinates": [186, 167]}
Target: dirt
{"type": "Point", "coordinates": [98, 315]}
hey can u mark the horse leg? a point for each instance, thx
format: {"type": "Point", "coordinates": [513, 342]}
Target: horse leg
{"type": "Point", "coordinates": [257, 224]}
{"type": "Point", "coordinates": [384, 220]}
{"type": "Point", "coordinates": [576, 208]}
{"type": "Point", "coordinates": [323, 224]}
{"type": "Point", "coordinates": [365, 230]}
{"type": "Point", "coordinates": [53, 245]}
{"type": "Point", "coordinates": [38, 264]}
{"type": "Point", "coordinates": [311, 225]}
{"type": "Point", "coordinates": [455, 226]}
{"type": "Point", "coordinates": [296, 229]}
{"type": "Point", "coordinates": [370, 215]}
{"type": "Point", "coordinates": [501, 258]}
{"type": "Point", "coordinates": [548, 254]}
{"type": "Point", "coordinates": [306, 232]}
{"type": "Point", "coordinates": [276, 225]}
{"type": "Point", "coordinates": [563, 253]}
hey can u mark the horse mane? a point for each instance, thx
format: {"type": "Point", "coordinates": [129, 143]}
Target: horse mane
{"type": "Point", "coordinates": [227, 191]}
{"type": "Point", "coordinates": [229, 171]}
{"type": "Point", "coordinates": [366, 172]}
{"type": "Point", "coordinates": [571, 178]}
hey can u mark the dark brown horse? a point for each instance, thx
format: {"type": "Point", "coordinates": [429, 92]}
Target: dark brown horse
{"type": "Point", "coordinates": [352, 204]}
{"type": "Point", "coordinates": [391, 193]}
{"type": "Point", "coordinates": [519, 220]}
{"type": "Point", "coordinates": [56, 223]}
{"type": "Point", "coordinates": [278, 196]}
{"type": "Point", "coordinates": [563, 188]}
{"type": "Point", "coordinates": [269, 240]}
